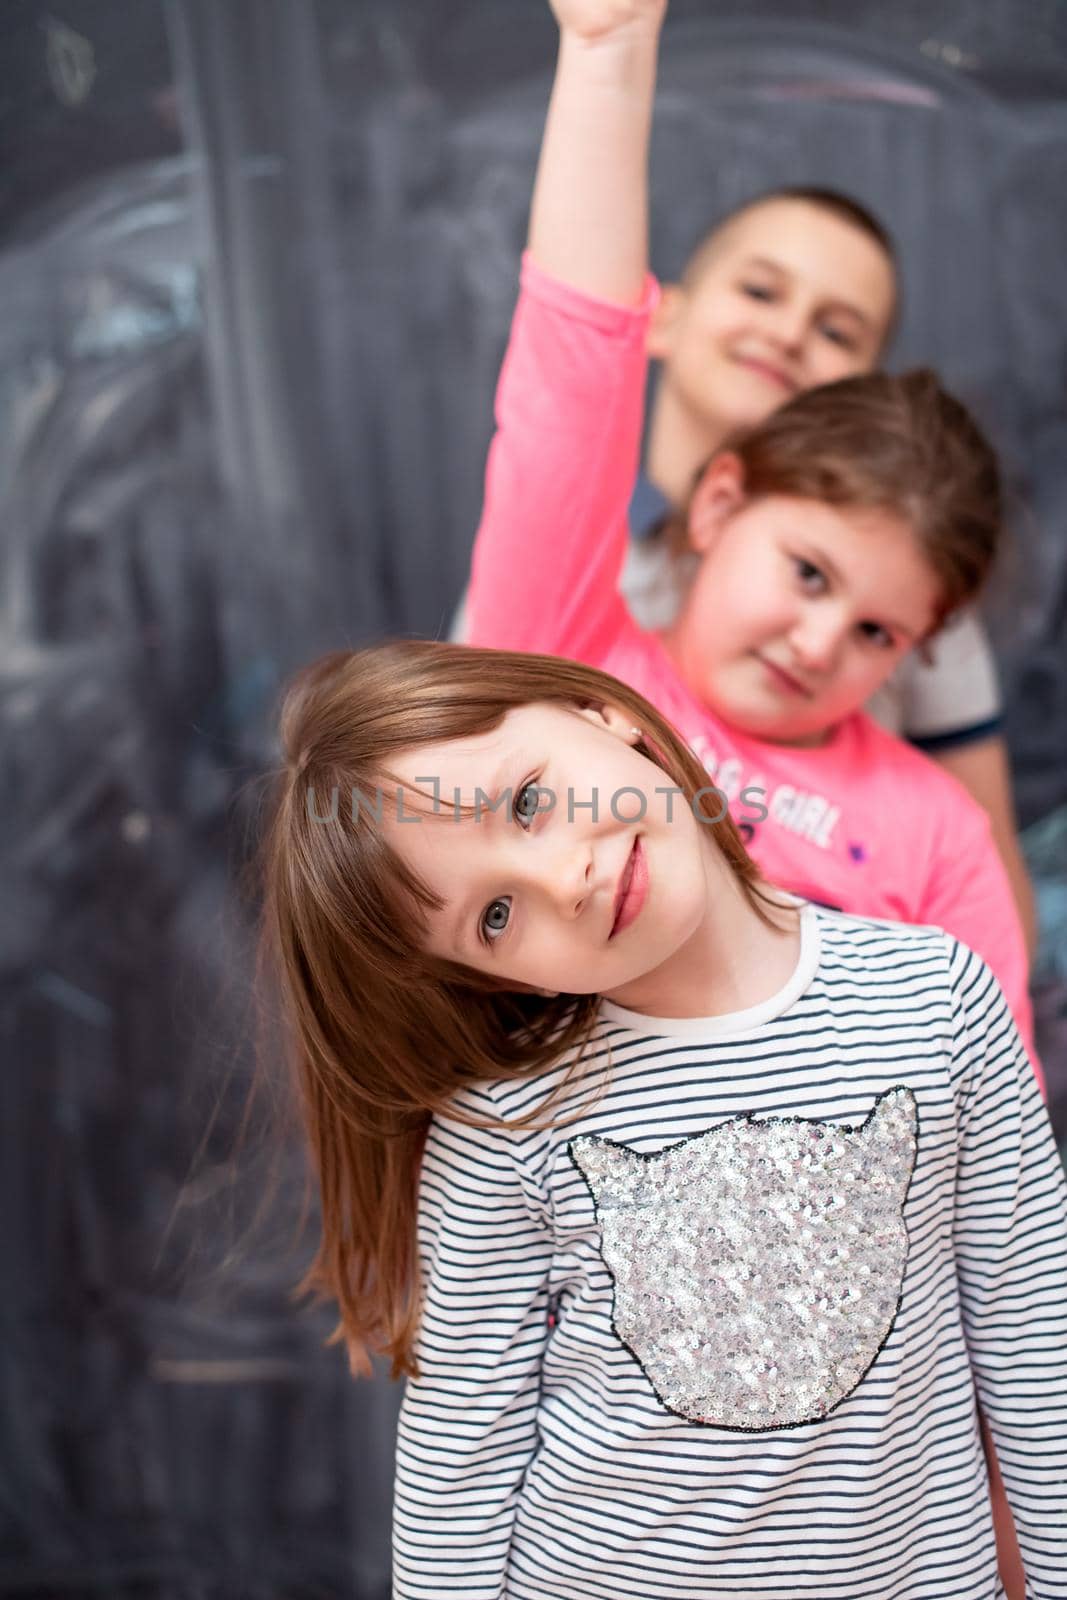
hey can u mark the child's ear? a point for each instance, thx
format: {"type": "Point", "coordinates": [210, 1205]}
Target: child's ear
{"type": "Point", "coordinates": [720, 492]}
{"type": "Point", "coordinates": [659, 341]}
{"type": "Point", "coordinates": [614, 719]}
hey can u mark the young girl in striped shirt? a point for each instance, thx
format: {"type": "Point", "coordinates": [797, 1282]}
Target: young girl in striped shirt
{"type": "Point", "coordinates": [695, 1213]}
{"type": "Point", "coordinates": [695, 1317]}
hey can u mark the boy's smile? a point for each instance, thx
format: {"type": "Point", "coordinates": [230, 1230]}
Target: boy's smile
{"type": "Point", "coordinates": [789, 296]}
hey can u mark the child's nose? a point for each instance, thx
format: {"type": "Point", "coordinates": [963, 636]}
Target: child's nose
{"type": "Point", "coordinates": [817, 639]}
{"type": "Point", "coordinates": [569, 872]}
{"type": "Point", "coordinates": [791, 324]}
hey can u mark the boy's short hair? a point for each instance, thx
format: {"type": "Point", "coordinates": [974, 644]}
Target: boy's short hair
{"type": "Point", "coordinates": [832, 201]}
{"type": "Point", "coordinates": [835, 204]}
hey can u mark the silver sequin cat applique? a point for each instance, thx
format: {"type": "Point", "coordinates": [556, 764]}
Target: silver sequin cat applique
{"type": "Point", "coordinates": [758, 1267]}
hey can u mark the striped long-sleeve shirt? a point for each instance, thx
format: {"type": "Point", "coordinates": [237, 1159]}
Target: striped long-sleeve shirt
{"type": "Point", "coordinates": [714, 1325]}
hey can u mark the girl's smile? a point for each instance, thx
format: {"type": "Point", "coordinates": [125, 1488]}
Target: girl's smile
{"type": "Point", "coordinates": [565, 862]}
{"type": "Point", "coordinates": [781, 679]}
{"type": "Point", "coordinates": [632, 891]}
{"type": "Point", "coordinates": [543, 890]}
{"type": "Point", "coordinates": [799, 610]}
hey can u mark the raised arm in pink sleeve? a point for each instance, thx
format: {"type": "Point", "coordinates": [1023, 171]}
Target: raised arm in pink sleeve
{"type": "Point", "coordinates": [561, 470]}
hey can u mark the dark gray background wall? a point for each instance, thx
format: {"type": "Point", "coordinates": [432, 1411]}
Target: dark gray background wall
{"type": "Point", "coordinates": [257, 263]}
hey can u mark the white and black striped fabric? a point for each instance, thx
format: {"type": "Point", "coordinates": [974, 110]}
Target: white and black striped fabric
{"type": "Point", "coordinates": [535, 1458]}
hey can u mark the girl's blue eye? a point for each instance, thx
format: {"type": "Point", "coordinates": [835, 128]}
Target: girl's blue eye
{"type": "Point", "coordinates": [526, 803]}
{"type": "Point", "coordinates": [810, 576]}
{"type": "Point", "coordinates": [495, 920]}
{"type": "Point", "coordinates": [497, 914]}
{"type": "Point", "coordinates": [876, 634]}
{"type": "Point", "coordinates": [757, 291]}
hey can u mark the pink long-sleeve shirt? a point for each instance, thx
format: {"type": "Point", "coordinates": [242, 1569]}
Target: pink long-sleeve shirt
{"type": "Point", "coordinates": [863, 822]}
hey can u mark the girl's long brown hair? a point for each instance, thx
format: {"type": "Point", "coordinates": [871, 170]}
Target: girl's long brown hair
{"type": "Point", "coordinates": [383, 1035]}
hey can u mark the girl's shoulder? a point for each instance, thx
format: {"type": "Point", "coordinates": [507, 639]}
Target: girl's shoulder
{"type": "Point", "coordinates": [903, 772]}
{"type": "Point", "coordinates": [896, 758]}
{"type": "Point", "coordinates": [880, 939]}
{"type": "Point", "coordinates": [884, 944]}
{"type": "Point", "coordinates": [913, 960]}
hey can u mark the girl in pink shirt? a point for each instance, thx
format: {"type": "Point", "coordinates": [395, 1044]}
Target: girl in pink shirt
{"type": "Point", "coordinates": [835, 537]}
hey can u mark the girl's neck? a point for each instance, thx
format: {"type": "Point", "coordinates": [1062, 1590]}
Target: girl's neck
{"type": "Point", "coordinates": [734, 960]}
{"type": "Point", "coordinates": [679, 443]}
